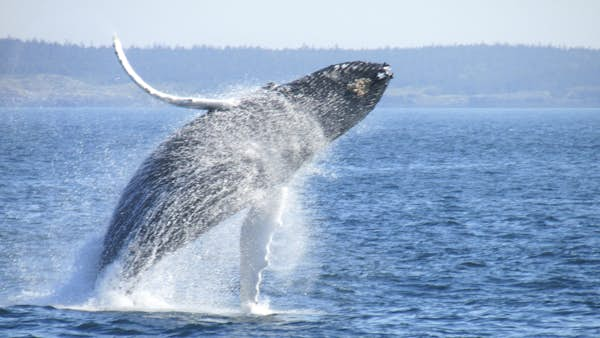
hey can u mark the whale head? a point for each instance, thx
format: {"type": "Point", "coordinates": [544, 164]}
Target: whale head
{"type": "Point", "coordinates": [341, 95]}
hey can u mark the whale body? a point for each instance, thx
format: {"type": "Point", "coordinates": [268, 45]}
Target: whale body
{"type": "Point", "coordinates": [234, 157]}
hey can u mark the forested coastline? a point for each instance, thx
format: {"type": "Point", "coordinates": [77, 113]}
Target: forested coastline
{"type": "Point", "coordinates": [37, 73]}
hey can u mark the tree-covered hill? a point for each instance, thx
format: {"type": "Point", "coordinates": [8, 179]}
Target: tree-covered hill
{"type": "Point", "coordinates": [40, 73]}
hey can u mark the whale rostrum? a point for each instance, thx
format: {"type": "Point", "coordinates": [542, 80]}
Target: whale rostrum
{"type": "Point", "coordinates": [238, 156]}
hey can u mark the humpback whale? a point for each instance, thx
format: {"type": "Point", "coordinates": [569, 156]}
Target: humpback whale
{"type": "Point", "coordinates": [237, 156]}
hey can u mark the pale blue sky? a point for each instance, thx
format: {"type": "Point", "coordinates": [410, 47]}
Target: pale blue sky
{"type": "Point", "coordinates": [318, 23]}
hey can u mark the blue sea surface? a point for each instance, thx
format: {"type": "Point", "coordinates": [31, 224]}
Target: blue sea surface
{"type": "Point", "coordinates": [416, 223]}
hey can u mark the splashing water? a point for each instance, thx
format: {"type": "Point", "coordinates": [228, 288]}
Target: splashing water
{"type": "Point", "coordinates": [201, 277]}
{"type": "Point", "coordinates": [256, 253]}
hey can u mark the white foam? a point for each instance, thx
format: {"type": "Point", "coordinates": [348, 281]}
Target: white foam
{"type": "Point", "coordinates": [201, 277]}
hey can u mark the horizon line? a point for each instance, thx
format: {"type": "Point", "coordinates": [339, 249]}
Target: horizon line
{"type": "Point", "coordinates": [304, 46]}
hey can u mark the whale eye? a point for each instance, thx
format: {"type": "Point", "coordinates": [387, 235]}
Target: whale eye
{"type": "Point", "coordinates": [360, 87]}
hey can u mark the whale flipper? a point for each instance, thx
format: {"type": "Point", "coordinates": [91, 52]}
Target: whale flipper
{"type": "Point", "coordinates": [255, 241]}
{"type": "Point", "coordinates": [188, 102]}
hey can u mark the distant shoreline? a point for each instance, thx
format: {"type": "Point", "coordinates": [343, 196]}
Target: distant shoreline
{"type": "Point", "coordinates": [35, 73]}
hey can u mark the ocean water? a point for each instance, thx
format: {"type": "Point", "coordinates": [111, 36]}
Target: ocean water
{"type": "Point", "coordinates": [416, 223]}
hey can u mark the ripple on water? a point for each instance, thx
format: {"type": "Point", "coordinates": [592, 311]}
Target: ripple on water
{"type": "Point", "coordinates": [455, 222]}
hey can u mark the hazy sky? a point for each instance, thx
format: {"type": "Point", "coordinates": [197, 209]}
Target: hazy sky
{"type": "Point", "coordinates": [318, 23]}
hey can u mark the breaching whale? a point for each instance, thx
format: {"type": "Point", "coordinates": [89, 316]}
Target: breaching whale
{"type": "Point", "coordinates": [237, 156]}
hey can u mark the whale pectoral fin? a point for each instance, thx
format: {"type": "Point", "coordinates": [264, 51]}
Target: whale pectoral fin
{"type": "Point", "coordinates": [255, 240]}
{"type": "Point", "coordinates": [188, 102]}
